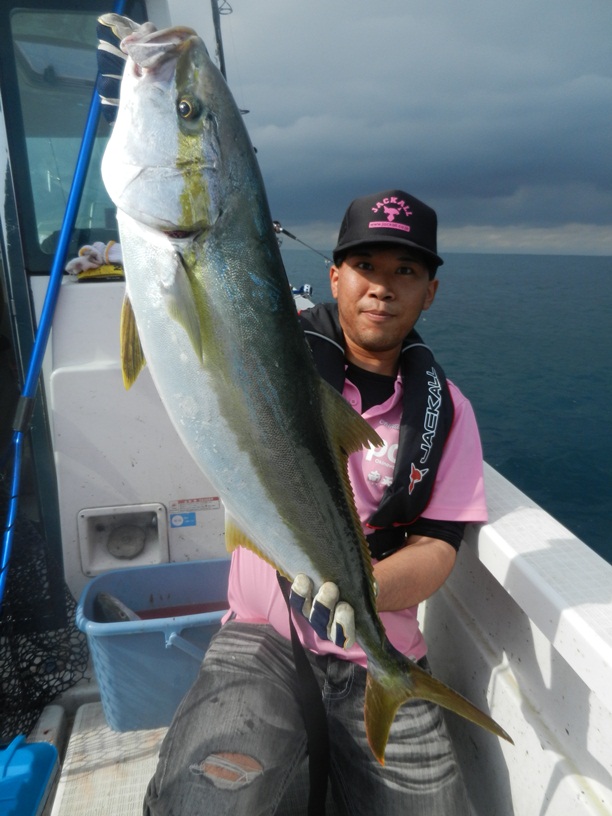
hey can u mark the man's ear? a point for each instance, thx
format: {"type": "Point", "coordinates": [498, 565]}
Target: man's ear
{"type": "Point", "coordinates": [333, 281]}
{"type": "Point", "coordinates": [432, 288]}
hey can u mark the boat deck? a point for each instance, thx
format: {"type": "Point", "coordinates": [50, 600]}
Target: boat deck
{"type": "Point", "coordinates": [105, 771]}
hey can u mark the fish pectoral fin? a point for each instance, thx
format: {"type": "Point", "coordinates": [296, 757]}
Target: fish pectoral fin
{"type": "Point", "coordinates": [181, 303]}
{"type": "Point", "coordinates": [349, 429]}
{"type": "Point", "coordinates": [132, 355]}
{"type": "Point", "coordinates": [382, 699]}
{"type": "Point", "coordinates": [236, 537]}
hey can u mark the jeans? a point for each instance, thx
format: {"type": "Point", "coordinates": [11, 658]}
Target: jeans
{"type": "Point", "coordinates": [237, 741]}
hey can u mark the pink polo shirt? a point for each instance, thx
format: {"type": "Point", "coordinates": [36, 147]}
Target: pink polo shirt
{"type": "Point", "coordinates": [458, 495]}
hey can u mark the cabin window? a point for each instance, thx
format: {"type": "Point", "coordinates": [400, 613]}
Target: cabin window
{"type": "Point", "coordinates": [55, 70]}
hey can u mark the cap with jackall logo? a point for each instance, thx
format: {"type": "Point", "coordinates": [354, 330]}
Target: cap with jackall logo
{"type": "Point", "coordinates": [390, 217]}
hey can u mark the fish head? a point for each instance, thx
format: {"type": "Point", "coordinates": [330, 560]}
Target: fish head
{"type": "Point", "coordinates": [109, 609]}
{"type": "Point", "coordinates": [162, 165]}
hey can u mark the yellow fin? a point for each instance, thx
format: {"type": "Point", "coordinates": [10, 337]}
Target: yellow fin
{"type": "Point", "coordinates": [348, 429]}
{"type": "Point", "coordinates": [132, 356]}
{"type": "Point", "coordinates": [383, 699]}
{"type": "Point", "coordinates": [348, 432]}
{"type": "Point", "coordinates": [236, 537]}
{"type": "Point", "coordinates": [381, 703]}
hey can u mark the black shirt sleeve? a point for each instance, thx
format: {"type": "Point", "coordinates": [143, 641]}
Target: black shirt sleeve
{"type": "Point", "coordinates": [449, 531]}
{"type": "Point", "coordinates": [383, 543]}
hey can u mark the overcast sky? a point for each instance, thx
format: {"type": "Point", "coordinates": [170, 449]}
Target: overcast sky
{"type": "Point", "coordinates": [498, 114]}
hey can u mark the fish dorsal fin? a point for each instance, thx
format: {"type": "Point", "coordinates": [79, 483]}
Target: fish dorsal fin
{"type": "Point", "coordinates": [182, 303]}
{"type": "Point", "coordinates": [132, 356]}
{"type": "Point", "coordinates": [236, 537]}
{"type": "Point", "coordinates": [348, 432]}
{"type": "Point", "coordinates": [348, 429]}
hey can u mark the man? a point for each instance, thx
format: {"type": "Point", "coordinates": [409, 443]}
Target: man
{"type": "Point", "coordinates": [238, 736]}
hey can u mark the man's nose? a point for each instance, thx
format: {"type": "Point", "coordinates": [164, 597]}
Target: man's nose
{"type": "Point", "coordinates": [381, 290]}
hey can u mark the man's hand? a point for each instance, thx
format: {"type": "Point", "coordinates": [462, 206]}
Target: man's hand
{"type": "Point", "coordinates": [331, 620]}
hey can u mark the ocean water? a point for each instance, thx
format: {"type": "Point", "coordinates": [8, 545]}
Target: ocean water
{"type": "Point", "coordinates": [528, 339]}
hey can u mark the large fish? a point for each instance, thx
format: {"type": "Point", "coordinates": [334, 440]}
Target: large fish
{"type": "Point", "coordinates": [209, 308]}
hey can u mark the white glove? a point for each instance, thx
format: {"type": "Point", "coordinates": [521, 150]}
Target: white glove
{"type": "Point", "coordinates": [331, 619]}
{"type": "Point", "coordinates": [95, 255]}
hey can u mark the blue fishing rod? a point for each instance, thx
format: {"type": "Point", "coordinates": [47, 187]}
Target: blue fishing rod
{"type": "Point", "coordinates": [25, 405]}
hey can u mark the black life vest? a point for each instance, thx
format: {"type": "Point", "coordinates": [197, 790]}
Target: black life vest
{"type": "Point", "coordinates": [427, 417]}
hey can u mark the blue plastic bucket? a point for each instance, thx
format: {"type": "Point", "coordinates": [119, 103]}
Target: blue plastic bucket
{"type": "Point", "coordinates": [145, 667]}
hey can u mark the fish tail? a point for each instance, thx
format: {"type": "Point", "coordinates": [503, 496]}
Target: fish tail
{"type": "Point", "coordinates": [383, 696]}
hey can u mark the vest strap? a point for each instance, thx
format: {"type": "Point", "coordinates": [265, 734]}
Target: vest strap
{"type": "Point", "coordinates": [314, 714]}
{"type": "Point", "coordinates": [427, 414]}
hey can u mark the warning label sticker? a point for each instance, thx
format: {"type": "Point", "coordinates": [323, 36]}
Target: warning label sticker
{"type": "Point", "coordinates": [193, 505]}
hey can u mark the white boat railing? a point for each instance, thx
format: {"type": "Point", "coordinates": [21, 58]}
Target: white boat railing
{"type": "Point", "coordinates": [524, 628]}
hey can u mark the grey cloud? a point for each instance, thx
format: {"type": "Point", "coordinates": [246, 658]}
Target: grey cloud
{"type": "Point", "coordinates": [497, 113]}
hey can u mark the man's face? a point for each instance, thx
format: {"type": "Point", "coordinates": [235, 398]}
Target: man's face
{"type": "Point", "coordinates": [381, 291]}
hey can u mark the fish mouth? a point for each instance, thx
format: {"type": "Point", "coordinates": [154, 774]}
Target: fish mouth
{"type": "Point", "coordinates": [182, 235]}
{"type": "Point", "coordinates": [145, 45]}
{"type": "Point", "coordinates": [149, 50]}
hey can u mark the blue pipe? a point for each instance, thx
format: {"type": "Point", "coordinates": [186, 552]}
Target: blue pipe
{"type": "Point", "coordinates": [46, 319]}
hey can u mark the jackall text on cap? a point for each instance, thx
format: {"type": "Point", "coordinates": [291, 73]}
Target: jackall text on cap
{"type": "Point", "coordinates": [392, 217]}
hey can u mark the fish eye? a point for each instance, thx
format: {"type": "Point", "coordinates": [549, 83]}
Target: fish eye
{"type": "Point", "coordinates": [187, 108]}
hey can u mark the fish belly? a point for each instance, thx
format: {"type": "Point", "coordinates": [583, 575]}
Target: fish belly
{"type": "Point", "coordinates": [189, 390]}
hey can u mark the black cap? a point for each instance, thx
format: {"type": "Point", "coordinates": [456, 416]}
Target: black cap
{"type": "Point", "coordinates": [391, 217]}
